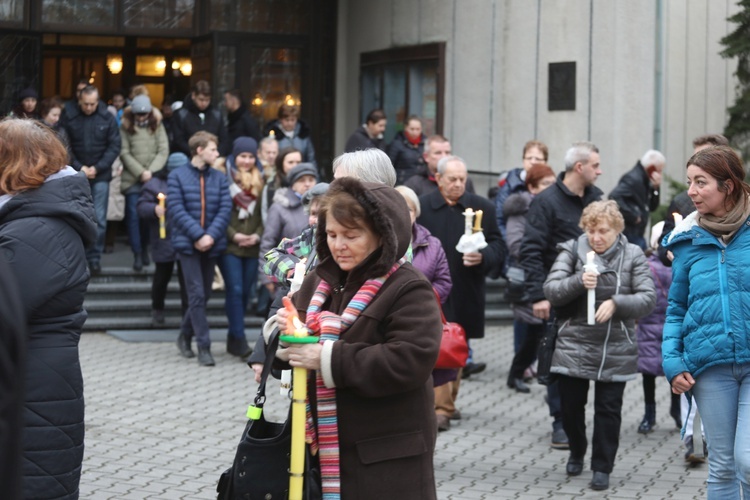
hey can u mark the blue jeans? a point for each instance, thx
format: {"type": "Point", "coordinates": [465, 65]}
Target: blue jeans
{"type": "Point", "coordinates": [137, 232]}
{"type": "Point", "coordinates": [723, 396]}
{"type": "Point", "coordinates": [240, 277]}
{"type": "Point", "coordinates": [100, 195]}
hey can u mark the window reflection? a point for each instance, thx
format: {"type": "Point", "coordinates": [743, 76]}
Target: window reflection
{"type": "Point", "coordinates": [11, 11]}
{"type": "Point", "coordinates": [261, 16]}
{"type": "Point", "coordinates": [174, 14]}
{"type": "Point", "coordinates": [99, 13]}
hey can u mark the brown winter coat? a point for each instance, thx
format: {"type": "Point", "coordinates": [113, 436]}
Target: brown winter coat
{"type": "Point", "coordinates": [381, 366]}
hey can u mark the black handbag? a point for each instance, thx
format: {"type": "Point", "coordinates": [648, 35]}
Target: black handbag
{"type": "Point", "coordinates": [261, 465]}
{"type": "Point", "coordinates": [544, 354]}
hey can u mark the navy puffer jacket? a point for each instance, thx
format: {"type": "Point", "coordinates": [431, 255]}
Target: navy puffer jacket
{"type": "Point", "coordinates": [187, 202]}
{"type": "Point", "coordinates": [43, 233]}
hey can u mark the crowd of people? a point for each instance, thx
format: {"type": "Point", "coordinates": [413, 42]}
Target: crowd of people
{"type": "Point", "coordinates": [368, 261]}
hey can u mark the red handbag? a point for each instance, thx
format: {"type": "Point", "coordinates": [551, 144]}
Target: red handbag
{"type": "Point", "coordinates": [454, 351]}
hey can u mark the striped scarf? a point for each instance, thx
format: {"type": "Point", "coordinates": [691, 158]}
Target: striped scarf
{"type": "Point", "coordinates": [331, 326]}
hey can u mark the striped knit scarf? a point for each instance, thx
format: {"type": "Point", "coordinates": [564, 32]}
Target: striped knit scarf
{"type": "Point", "coordinates": [331, 326]}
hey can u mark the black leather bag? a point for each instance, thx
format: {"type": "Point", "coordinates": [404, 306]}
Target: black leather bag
{"type": "Point", "coordinates": [544, 354]}
{"type": "Point", "coordinates": [261, 465]}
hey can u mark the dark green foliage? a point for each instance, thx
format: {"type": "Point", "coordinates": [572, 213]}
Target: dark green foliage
{"type": "Point", "coordinates": [737, 44]}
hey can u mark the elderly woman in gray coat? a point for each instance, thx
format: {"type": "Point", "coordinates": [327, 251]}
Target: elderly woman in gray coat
{"type": "Point", "coordinates": [605, 352]}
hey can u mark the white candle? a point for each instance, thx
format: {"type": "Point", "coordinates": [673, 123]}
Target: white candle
{"type": "Point", "coordinates": [677, 218]}
{"type": "Point", "coordinates": [591, 295]}
{"type": "Point", "coordinates": [299, 276]}
{"type": "Point", "coordinates": [468, 221]}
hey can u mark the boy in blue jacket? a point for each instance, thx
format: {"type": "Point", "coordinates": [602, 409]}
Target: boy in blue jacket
{"type": "Point", "coordinates": [198, 210]}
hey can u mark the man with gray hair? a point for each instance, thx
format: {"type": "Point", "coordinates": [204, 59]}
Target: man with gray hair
{"type": "Point", "coordinates": [637, 194]}
{"type": "Point", "coordinates": [443, 215]}
{"type": "Point", "coordinates": [553, 218]}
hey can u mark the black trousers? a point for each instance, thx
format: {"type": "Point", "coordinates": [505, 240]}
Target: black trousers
{"type": "Point", "coordinates": [607, 419]}
{"type": "Point", "coordinates": [198, 273]}
{"type": "Point", "coordinates": [527, 352]}
{"type": "Point", "coordinates": [162, 276]}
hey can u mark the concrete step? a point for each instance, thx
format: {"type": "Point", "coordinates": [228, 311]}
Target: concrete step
{"type": "Point", "coordinates": [141, 322]}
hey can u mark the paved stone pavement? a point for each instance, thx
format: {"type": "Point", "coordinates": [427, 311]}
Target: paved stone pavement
{"type": "Point", "coordinates": [160, 427]}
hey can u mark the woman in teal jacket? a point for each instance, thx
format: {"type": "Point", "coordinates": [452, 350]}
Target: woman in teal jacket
{"type": "Point", "coordinates": [706, 346]}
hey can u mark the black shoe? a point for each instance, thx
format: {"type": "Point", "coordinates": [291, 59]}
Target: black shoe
{"type": "Point", "coordinates": [473, 368]}
{"type": "Point", "coordinates": [157, 317]}
{"type": "Point", "coordinates": [559, 440]}
{"type": "Point", "coordinates": [519, 385]}
{"type": "Point", "coordinates": [574, 467]}
{"type": "Point", "coordinates": [183, 344]}
{"type": "Point", "coordinates": [690, 456]}
{"type": "Point", "coordinates": [145, 258]}
{"type": "Point", "coordinates": [137, 262]}
{"type": "Point", "coordinates": [95, 268]}
{"type": "Point", "coordinates": [443, 423]}
{"type": "Point", "coordinates": [600, 481]}
{"type": "Point", "coordinates": [204, 357]}
{"type": "Point", "coordinates": [457, 416]}
{"type": "Point", "coordinates": [676, 416]}
{"type": "Point", "coordinates": [237, 346]}
{"type": "Point", "coordinates": [649, 420]}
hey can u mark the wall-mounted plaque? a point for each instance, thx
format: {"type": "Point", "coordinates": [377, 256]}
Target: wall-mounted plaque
{"type": "Point", "coordinates": [562, 86]}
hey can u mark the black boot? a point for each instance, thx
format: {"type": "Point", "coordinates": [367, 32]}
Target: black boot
{"type": "Point", "coordinates": [237, 346]}
{"type": "Point", "coordinates": [183, 344]}
{"type": "Point", "coordinates": [146, 258]}
{"type": "Point", "coordinates": [600, 481]}
{"type": "Point", "coordinates": [204, 356]}
{"type": "Point", "coordinates": [137, 262]}
{"type": "Point", "coordinates": [518, 384]}
{"type": "Point", "coordinates": [649, 420]}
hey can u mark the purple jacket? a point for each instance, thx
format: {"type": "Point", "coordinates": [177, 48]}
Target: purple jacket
{"type": "Point", "coordinates": [649, 330]}
{"type": "Point", "coordinates": [429, 257]}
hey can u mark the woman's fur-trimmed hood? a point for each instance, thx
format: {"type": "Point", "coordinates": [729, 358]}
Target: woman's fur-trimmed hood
{"type": "Point", "coordinates": [389, 214]}
{"type": "Point", "coordinates": [127, 121]}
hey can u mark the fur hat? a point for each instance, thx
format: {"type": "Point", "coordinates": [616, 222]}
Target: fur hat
{"type": "Point", "coordinates": [141, 104]}
{"type": "Point", "coordinates": [300, 170]}
{"type": "Point", "coordinates": [245, 145]}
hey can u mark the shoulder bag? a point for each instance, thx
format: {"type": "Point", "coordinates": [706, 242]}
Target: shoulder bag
{"type": "Point", "coordinates": [261, 463]}
{"type": "Point", "coordinates": [454, 351]}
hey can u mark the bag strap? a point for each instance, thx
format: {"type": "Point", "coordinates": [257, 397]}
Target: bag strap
{"type": "Point", "coordinates": [440, 306]}
{"type": "Point", "coordinates": [273, 344]}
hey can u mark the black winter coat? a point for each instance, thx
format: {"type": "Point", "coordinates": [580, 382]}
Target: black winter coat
{"type": "Point", "coordinates": [187, 120]}
{"type": "Point", "coordinates": [636, 198]}
{"type": "Point", "coordinates": [43, 233]}
{"type": "Point", "coordinates": [360, 140]}
{"type": "Point", "coordinates": [13, 353]}
{"type": "Point", "coordinates": [94, 139]}
{"type": "Point", "coordinates": [553, 217]}
{"type": "Point", "coordinates": [242, 124]}
{"type": "Point", "coordinates": [465, 304]}
{"type": "Point", "coordinates": [405, 156]}
{"type": "Point", "coordinates": [423, 183]}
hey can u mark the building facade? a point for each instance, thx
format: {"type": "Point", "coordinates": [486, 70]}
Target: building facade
{"type": "Point", "coordinates": [628, 76]}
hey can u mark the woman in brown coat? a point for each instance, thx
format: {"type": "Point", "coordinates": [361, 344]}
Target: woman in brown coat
{"type": "Point", "coordinates": [380, 336]}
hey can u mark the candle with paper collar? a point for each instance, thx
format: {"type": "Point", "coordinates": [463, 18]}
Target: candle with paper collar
{"type": "Point", "coordinates": [162, 218]}
{"type": "Point", "coordinates": [468, 219]}
{"type": "Point", "coordinates": [677, 218]}
{"type": "Point", "coordinates": [591, 294]}
{"type": "Point", "coordinates": [478, 221]}
{"type": "Point", "coordinates": [299, 410]}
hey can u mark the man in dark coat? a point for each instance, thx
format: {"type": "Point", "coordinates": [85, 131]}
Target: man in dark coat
{"type": "Point", "coordinates": [442, 214]}
{"type": "Point", "coordinates": [637, 194]}
{"type": "Point", "coordinates": [12, 357]}
{"type": "Point", "coordinates": [240, 122]}
{"type": "Point", "coordinates": [436, 147]}
{"type": "Point", "coordinates": [198, 114]}
{"type": "Point", "coordinates": [94, 146]}
{"type": "Point", "coordinates": [369, 134]}
{"type": "Point", "coordinates": [553, 218]}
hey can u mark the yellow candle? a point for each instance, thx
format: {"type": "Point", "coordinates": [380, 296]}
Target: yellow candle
{"type": "Point", "coordinates": [162, 219]}
{"type": "Point", "coordinates": [478, 221]}
{"type": "Point", "coordinates": [299, 415]}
